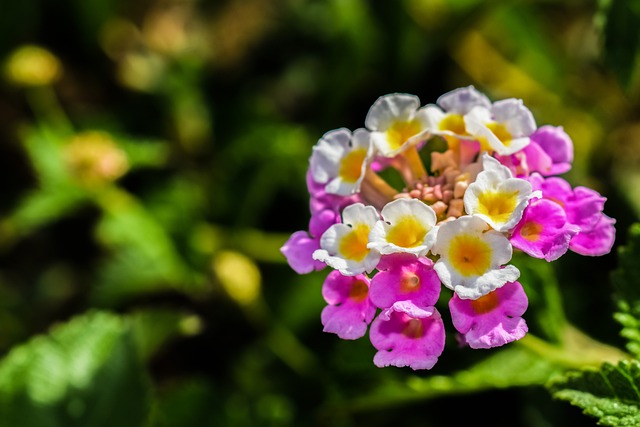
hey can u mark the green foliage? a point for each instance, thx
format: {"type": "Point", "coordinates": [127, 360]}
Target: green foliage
{"type": "Point", "coordinates": [83, 373]}
{"type": "Point", "coordinates": [611, 393]}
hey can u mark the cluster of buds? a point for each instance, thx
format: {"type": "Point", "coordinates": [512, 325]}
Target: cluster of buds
{"type": "Point", "coordinates": [454, 223]}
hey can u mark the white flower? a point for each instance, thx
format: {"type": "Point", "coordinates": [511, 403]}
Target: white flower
{"type": "Point", "coordinates": [472, 258]}
{"type": "Point", "coordinates": [503, 128]}
{"type": "Point", "coordinates": [446, 118]}
{"type": "Point", "coordinates": [340, 160]}
{"type": "Point", "coordinates": [344, 246]}
{"type": "Point", "coordinates": [396, 121]}
{"type": "Point", "coordinates": [496, 196]}
{"type": "Point", "coordinates": [407, 225]}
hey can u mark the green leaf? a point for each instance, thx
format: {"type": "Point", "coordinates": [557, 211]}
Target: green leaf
{"type": "Point", "coordinates": [626, 279]}
{"type": "Point", "coordinates": [84, 373]}
{"type": "Point", "coordinates": [610, 393]}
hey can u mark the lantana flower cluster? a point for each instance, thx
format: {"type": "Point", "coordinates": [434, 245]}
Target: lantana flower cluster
{"type": "Point", "coordinates": [456, 222]}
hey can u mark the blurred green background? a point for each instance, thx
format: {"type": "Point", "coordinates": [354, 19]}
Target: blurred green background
{"type": "Point", "coordinates": [153, 162]}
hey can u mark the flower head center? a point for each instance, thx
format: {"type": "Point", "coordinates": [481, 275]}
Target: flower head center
{"type": "Point", "coordinates": [410, 282]}
{"type": "Point", "coordinates": [414, 329]}
{"type": "Point", "coordinates": [407, 232]}
{"type": "Point", "coordinates": [359, 291]}
{"type": "Point", "coordinates": [531, 231]}
{"type": "Point", "coordinates": [485, 303]}
{"type": "Point", "coordinates": [400, 131]}
{"type": "Point", "coordinates": [354, 244]}
{"type": "Point", "coordinates": [497, 205]}
{"type": "Point", "coordinates": [453, 123]}
{"type": "Point", "coordinates": [469, 255]}
{"type": "Point", "coordinates": [501, 132]}
{"type": "Point", "coordinates": [351, 165]}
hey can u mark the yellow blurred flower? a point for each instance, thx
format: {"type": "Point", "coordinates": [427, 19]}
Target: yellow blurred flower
{"type": "Point", "coordinates": [94, 158]}
{"type": "Point", "coordinates": [32, 65]}
{"type": "Point", "coordinates": [238, 275]}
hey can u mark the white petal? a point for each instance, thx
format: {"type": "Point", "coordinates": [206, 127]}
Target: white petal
{"type": "Point", "coordinates": [389, 108]}
{"type": "Point", "coordinates": [462, 100]}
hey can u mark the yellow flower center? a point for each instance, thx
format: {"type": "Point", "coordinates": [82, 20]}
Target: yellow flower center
{"type": "Point", "coordinates": [409, 282]}
{"type": "Point", "coordinates": [354, 244]}
{"type": "Point", "coordinates": [470, 255]}
{"type": "Point", "coordinates": [453, 123]}
{"type": "Point", "coordinates": [351, 165]}
{"type": "Point", "coordinates": [485, 303]}
{"type": "Point", "coordinates": [497, 205]}
{"type": "Point", "coordinates": [359, 291]}
{"type": "Point", "coordinates": [407, 232]}
{"type": "Point", "coordinates": [401, 131]}
{"type": "Point", "coordinates": [531, 231]}
{"type": "Point", "coordinates": [501, 132]}
{"type": "Point", "coordinates": [414, 328]}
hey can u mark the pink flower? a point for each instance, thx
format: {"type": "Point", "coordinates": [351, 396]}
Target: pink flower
{"type": "Point", "coordinates": [492, 320]}
{"type": "Point", "coordinates": [300, 247]}
{"type": "Point", "coordinates": [543, 231]}
{"type": "Point", "coordinates": [407, 335]}
{"type": "Point", "coordinates": [349, 310]}
{"type": "Point", "coordinates": [550, 152]}
{"type": "Point", "coordinates": [557, 146]}
{"type": "Point", "coordinates": [405, 277]}
{"type": "Point", "coordinates": [583, 207]}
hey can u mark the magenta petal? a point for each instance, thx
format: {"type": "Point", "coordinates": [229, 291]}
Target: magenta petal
{"type": "Point", "coordinates": [558, 146]}
{"type": "Point", "coordinates": [494, 321]}
{"type": "Point", "coordinates": [299, 249]}
{"type": "Point", "coordinates": [537, 159]}
{"type": "Point", "coordinates": [584, 208]}
{"type": "Point", "coordinates": [543, 231]}
{"type": "Point", "coordinates": [321, 221]}
{"type": "Point", "coordinates": [598, 241]}
{"type": "Point", "coordinates": [405, 277]}
{"type": "Point", "coordinates": [407, 335]}
{"type": "Point", "coordinates": [349, 310]}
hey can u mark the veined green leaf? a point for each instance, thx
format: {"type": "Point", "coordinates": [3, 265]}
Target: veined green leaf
{"type": "Point", "coordinates": [611, 393]}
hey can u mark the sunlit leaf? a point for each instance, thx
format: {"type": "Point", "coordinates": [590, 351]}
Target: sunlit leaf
{"type": "Point", "coordinates": [75, 376]}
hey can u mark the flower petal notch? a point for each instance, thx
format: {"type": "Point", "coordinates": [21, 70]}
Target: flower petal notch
{"type": "Point", "coordinates": [344, 245]}
{"type": "Point", "coordinates": [472, 257]}
{"type": "Point", "coordinates": [496, 196]}
{"type": "Point", "coordinates": [396, 122]}
{"type": "Point", "coordinates": [492, 320]}
{"type": "Point", "coordinates": [407, 226]}
{"type": "Point", "coordinates": [405, 277]}
{"type": "Point", "coordinates": [407, 335]}
{"type": "Point", "coordinates": [339, 160]}
{"type": "Point", "coordinates": [349, 311]}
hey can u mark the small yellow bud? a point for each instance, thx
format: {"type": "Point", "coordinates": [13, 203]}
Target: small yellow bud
{"type": "Point", "coordinates": [32, 65]}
